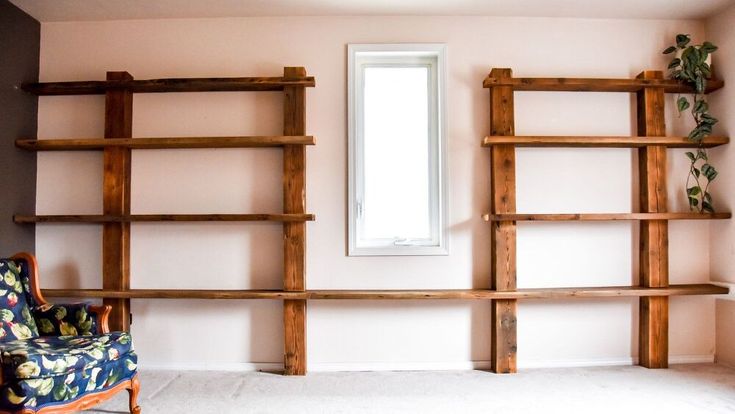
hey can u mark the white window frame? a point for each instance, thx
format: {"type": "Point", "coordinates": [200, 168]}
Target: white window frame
{"type": "Point", "coordinates": [400, 54]}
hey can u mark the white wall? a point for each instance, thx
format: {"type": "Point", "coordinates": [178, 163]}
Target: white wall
{"type": "Point", "coordinates": [722, 241]}
{"type": "Point", "coordinates": [352, 334]}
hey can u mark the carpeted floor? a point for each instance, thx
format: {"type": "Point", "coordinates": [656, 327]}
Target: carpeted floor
{"type": "Point", "coordinates": [695, 388]}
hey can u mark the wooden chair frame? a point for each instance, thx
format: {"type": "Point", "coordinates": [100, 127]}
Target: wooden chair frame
{"type": "Point", "coordinates": [87, 400]}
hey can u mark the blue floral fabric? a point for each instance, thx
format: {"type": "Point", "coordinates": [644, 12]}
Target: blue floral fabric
{"type": "Point", "coordinates": [16, 321]}
{"type": "Point", "coordinates": [68, 319]}
{"type": "Point", "coordinates": [59, 389]}
{"type": "Point", "coordinates": [48, 356]}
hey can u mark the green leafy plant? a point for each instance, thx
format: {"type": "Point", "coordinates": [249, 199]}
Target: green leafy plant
{"type": "Point", "coordinates": [690, 66]}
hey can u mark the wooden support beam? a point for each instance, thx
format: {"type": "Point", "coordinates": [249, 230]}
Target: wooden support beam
{"type": "Point", "coordinates": [503, 237]}
{"type": "Point", "coordinates": [654, 236]}
{"type": "Point", "coordinates": [294, 234]}
{"type": "Point", "coordinates": [116, 200]}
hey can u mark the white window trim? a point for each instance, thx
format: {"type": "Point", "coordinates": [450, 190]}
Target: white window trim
{"type": "Point", "coordinates": [440, 246]}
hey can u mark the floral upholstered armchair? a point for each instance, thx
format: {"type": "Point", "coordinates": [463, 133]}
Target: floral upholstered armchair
{"type": "Point", "coordinates": [57, 358]}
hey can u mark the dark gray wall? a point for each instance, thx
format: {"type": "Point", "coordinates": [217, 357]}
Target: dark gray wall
{"type": "Point", "coordinates": [20, 37]}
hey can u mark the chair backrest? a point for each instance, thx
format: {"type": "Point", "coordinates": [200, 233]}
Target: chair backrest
{"type": "Point", "coordinates": [16, 301]}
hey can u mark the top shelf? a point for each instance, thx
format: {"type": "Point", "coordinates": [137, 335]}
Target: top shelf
{"type": "Point", "coordinates": [168, 85]}
{"type": "Point", "coordinates": [594, 85]}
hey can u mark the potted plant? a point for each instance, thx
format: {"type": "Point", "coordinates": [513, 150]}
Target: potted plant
{"type": "Point", "coordinates": [691, 66]}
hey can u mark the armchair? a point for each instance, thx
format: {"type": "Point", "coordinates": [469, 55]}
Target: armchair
{"type": "Point", "coordinates": [57, 358]}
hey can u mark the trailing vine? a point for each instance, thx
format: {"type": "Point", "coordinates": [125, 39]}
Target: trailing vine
{"type": "Point", "coordinates": [690, 66]}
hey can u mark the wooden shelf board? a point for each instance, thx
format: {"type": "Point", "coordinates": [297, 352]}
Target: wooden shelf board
{"type": "Point", "coordinates": [173, 294]}
{"type": "Point", "coordinates": [482, 294]}
{"type": "Point", "coordinates": [594, 85]}
{"type": "Point", "coordinates": [600, 141]}
{"type": "Point", "coordinates": [82, 144]}
{"type": "Point", "coordinates": [168, 85]}
{"type": "Point", "coordinates": [606, 216]}
{"type": "Point", "coordinates": [101, 218]}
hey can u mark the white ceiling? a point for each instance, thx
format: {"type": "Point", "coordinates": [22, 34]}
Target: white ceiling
{"type": "Point", "coordinates": [75, 10]}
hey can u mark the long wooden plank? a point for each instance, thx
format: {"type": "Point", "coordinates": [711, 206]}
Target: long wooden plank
{"type": "Point", "coordinates": [294, 234]}
{"type": "Point", "coordinates": [606, 216]}
{"type": "Point", "coordinates": [600, 141]}
{"type": "Point", "coordinates": [654, 236]}
{"type": "Point", "coordinates": [593, 84]}
{"type": "Point", "coordinates": [84, 144]}
{"type": "Point", "coordinates": [102, 218]}
{"type": "Point", "coordinates": [433, 294]}
{"type": "Point", "coordinates": [174, 294]}
{"type": "Point", "coordinates": [116, 200]}
{"type": "Point", "coordinates": [503, 236]}
{"type": "Point", "coordinates": [168, 85]}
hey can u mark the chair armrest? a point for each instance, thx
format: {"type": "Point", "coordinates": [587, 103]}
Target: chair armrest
{"type": "Point", "coordinates": [103, 317]}
{"type": "Point", "coordinates": [66, 319]}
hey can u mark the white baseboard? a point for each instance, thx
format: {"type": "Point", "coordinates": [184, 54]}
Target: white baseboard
{"type": "Point", "coordinates": [415, 366]}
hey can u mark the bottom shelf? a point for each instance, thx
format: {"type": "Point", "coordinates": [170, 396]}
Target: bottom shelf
{"type": "Point", "coordinates": [482, 294]}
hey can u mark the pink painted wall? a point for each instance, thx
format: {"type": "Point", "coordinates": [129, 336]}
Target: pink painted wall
{"type": "Point", "coordinates": [362, 335]}
{"type": "Point", "coordinates": [722, 241]}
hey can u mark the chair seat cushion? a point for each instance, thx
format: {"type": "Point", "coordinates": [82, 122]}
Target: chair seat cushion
{"type": "Point", "coordinates": [48, 356]}
{"type": "Point", "coordinates": [37, 393]}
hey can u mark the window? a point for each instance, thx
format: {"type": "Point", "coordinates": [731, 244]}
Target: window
{"type": "Point", "coordinates": [397, 167]}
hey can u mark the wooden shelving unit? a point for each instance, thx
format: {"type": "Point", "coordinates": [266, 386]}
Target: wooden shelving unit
{"type": "Point", "coordinates": [651, 143]}
{"type": "Point", "coordinates": [116, 218]}
{"type": "Point", "coordinates": [503, 295]}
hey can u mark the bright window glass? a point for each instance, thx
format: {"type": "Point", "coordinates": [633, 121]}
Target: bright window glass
{"type": "Point", "coordinates": [396, 151]}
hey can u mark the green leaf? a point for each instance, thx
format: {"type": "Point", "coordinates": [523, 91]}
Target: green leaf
{"type": "Point", "coordinates": [674, 63]}
{"type": "Point", "coordinates": [682, 103]}
{"type": "Point", "coordinates": [690, 155]}
{"type": "Point", "coordinates": [682, 40]}
{"type": "Point", "coordinates": [707, 207]}
{"type": "Point", "coordinates": [708, 47]}
{"type": "Point", "coordinates": [692, 191]}
{"type": "Point", "coordinates": [700, 106]}
{"type": "Point", "coordinates": [708, 197]}
{"type": "Point", "coordinates": [670, 49]}
{"type": "Point", "coordinates": [696, 172]}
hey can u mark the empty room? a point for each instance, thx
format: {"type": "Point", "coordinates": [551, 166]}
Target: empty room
{"type": "Point", "coordinates": [360, 206]}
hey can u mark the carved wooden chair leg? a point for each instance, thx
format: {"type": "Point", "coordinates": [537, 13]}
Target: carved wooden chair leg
{"type": "Point", "coordinates": [133, 391]}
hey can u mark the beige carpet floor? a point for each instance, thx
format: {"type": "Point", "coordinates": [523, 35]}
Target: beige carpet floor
{"type": "Point", "coordinates": [690, 389]}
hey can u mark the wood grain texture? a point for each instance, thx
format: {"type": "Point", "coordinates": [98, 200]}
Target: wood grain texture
{"type": "Point", "coordinates": [294, 234]}
{"type": "Point", "coordinates": [88, 400]}
{"type": "Point", "coordinates": [606, 216]}
{"type": "Point", "coordinates": [503, 236]}
{"type": "Point", "coordinates": [116, 200]}
{"type": "Point", "coordinates": [175, 294]}
{"type": "Point", "coordinates": [600, 141]}
{"type": "Point", "coordinates": [168, 85]}
{"type": "Point", "coordinates": [430, 294]}
{"type": "Point", "coordinates": [593, 85]}
{"type": "Point", "coordinates": [108, 218]}
{"type": "Point", "coordinates": [654, 235]}
{"type": "Point", "coordinates": [85, 144]}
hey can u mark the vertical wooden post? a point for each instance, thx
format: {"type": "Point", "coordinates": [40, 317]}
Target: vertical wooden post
{"type": "Point", "coordinates": [294, 234]}
{"type": "Point", "coordinates": [503, 238]}
{"type": "Point", "coordinates": [654, 235]}
{"type": "Point", "coordinates": [116, 201]}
